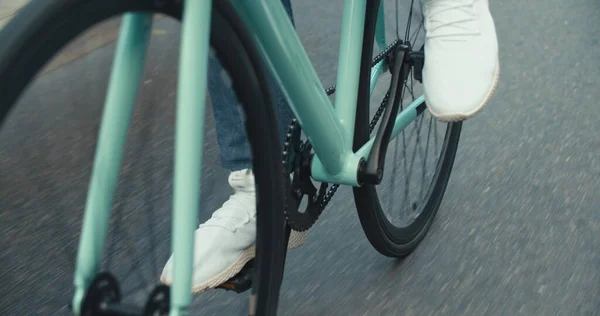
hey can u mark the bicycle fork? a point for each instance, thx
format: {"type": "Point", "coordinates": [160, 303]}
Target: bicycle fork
{"type": "Point", "coordinates": [126, 74]}
{"type": "Point", "coordinates": [118, 108]}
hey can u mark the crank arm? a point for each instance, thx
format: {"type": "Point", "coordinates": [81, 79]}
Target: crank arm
{"type": "Point", "coordinates": [371, 171]}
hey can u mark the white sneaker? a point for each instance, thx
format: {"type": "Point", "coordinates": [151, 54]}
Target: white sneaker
{"type": "Point", "coordinates": [461, 57]}
{"type": "Point", "coordinates": [225, 243]}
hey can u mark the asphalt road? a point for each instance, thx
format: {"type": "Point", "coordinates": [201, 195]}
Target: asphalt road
{"type": "Point", "coordinates": [518, 232]}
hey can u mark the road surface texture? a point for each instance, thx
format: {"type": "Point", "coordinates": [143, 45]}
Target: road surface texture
{"type": "Point", "coordinates": [518, 232]}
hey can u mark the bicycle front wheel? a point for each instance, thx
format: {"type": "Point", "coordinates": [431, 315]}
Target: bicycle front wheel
{"type": "Point", "coordinates": [39, 32]}
{"type": "Point", "coordinates": [397, 213]}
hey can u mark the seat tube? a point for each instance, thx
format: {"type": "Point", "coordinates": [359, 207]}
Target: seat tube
{"type": "Point", "coordinates": [125, 77]}
{"type": "Point", "coordinates": [346, 96]}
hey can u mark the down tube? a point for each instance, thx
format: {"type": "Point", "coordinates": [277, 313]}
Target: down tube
{"type": "Point", "coordinates": [288, 60]}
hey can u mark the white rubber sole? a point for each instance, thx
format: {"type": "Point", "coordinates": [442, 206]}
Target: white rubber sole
{"type": "Point", "coordinates": [464, 116]}
{"type": "Point", "coordinates": [297, 239]}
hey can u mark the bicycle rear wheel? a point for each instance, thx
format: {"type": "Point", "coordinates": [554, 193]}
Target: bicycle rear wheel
{"type": "Point", "coordinates": [41, 29]}
{"type": "Point", "coordinates": [389, 235]}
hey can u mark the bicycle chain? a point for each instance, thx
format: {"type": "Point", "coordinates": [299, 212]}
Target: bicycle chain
{"type": "Point", "coordinates": [293, 136]}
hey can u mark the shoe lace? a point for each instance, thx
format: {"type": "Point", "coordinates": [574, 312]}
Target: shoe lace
{"type": "Point", "coordinates": [456, 22]}
{"type": "Point", "coordinates": [233, 212]}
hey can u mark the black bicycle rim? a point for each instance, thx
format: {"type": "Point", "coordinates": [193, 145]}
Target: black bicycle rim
{"type": "Point", "coordinates": [387, 238]}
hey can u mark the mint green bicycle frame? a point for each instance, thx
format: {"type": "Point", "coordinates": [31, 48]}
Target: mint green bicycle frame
{"type": "Point", "coordinates": [329, 128]}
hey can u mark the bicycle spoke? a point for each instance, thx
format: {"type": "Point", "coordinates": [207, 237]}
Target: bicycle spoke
{"type": "Point", "coordinates": [414, 145]}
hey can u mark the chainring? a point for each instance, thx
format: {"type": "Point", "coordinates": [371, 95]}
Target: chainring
{"type": "Point", "coordinates": [298, 154]}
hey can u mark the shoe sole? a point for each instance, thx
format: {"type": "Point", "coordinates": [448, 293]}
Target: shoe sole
{"type": "Point", "coordinates": [486, 100]}
{"type": "Point", "coordinates": [297, 239]}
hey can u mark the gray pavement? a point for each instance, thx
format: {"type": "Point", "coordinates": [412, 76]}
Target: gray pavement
{"type": "Point", "coordinates": [518, 232]}
{"type": "Point", "coordinates": [8, 8]}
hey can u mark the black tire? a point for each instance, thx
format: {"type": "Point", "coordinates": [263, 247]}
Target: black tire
{"type": "Point", "coordinates": [387, 238]}
{"type": "Point", "coordinates": [42, 28]}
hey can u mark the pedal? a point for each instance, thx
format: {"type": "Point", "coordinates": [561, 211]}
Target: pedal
{"type": "Point", "coordinates": [417, 59]}
{"type": "Point", "coordinates": [103, 298]}
{"type": "Point", "coordinates": [242, 281]}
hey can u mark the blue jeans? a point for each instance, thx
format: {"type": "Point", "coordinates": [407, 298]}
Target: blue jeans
{"type": "Point", "coordinates": [231, 134]}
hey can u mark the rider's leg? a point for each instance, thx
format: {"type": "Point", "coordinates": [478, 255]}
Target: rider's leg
{"type": "Point", "coordinates": [225, 242]}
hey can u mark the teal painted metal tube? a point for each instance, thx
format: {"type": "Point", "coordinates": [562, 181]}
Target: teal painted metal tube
{"type": "Point", "coordinates": [382, 66]}
{"type": "Point", "coordinates": [285, 56]}
{"type": "Point", "coordinates": [404, 118]}
{"type": "Point", "coordinates": [189, 136]}
{"type": "Point", "coordinates": [125, 77]}
{"type": "Point", "coordinates": [375, 73]}
{"type": "Point", "coordinates": [348, 174]}
{"type": "Point", "coordinates": [380, 27]}
{"type": "Point", "coordinates": [348, 75]}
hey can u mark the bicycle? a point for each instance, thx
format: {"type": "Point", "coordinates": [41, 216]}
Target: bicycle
{"type": "Point", "coordinates": [338, 150]}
